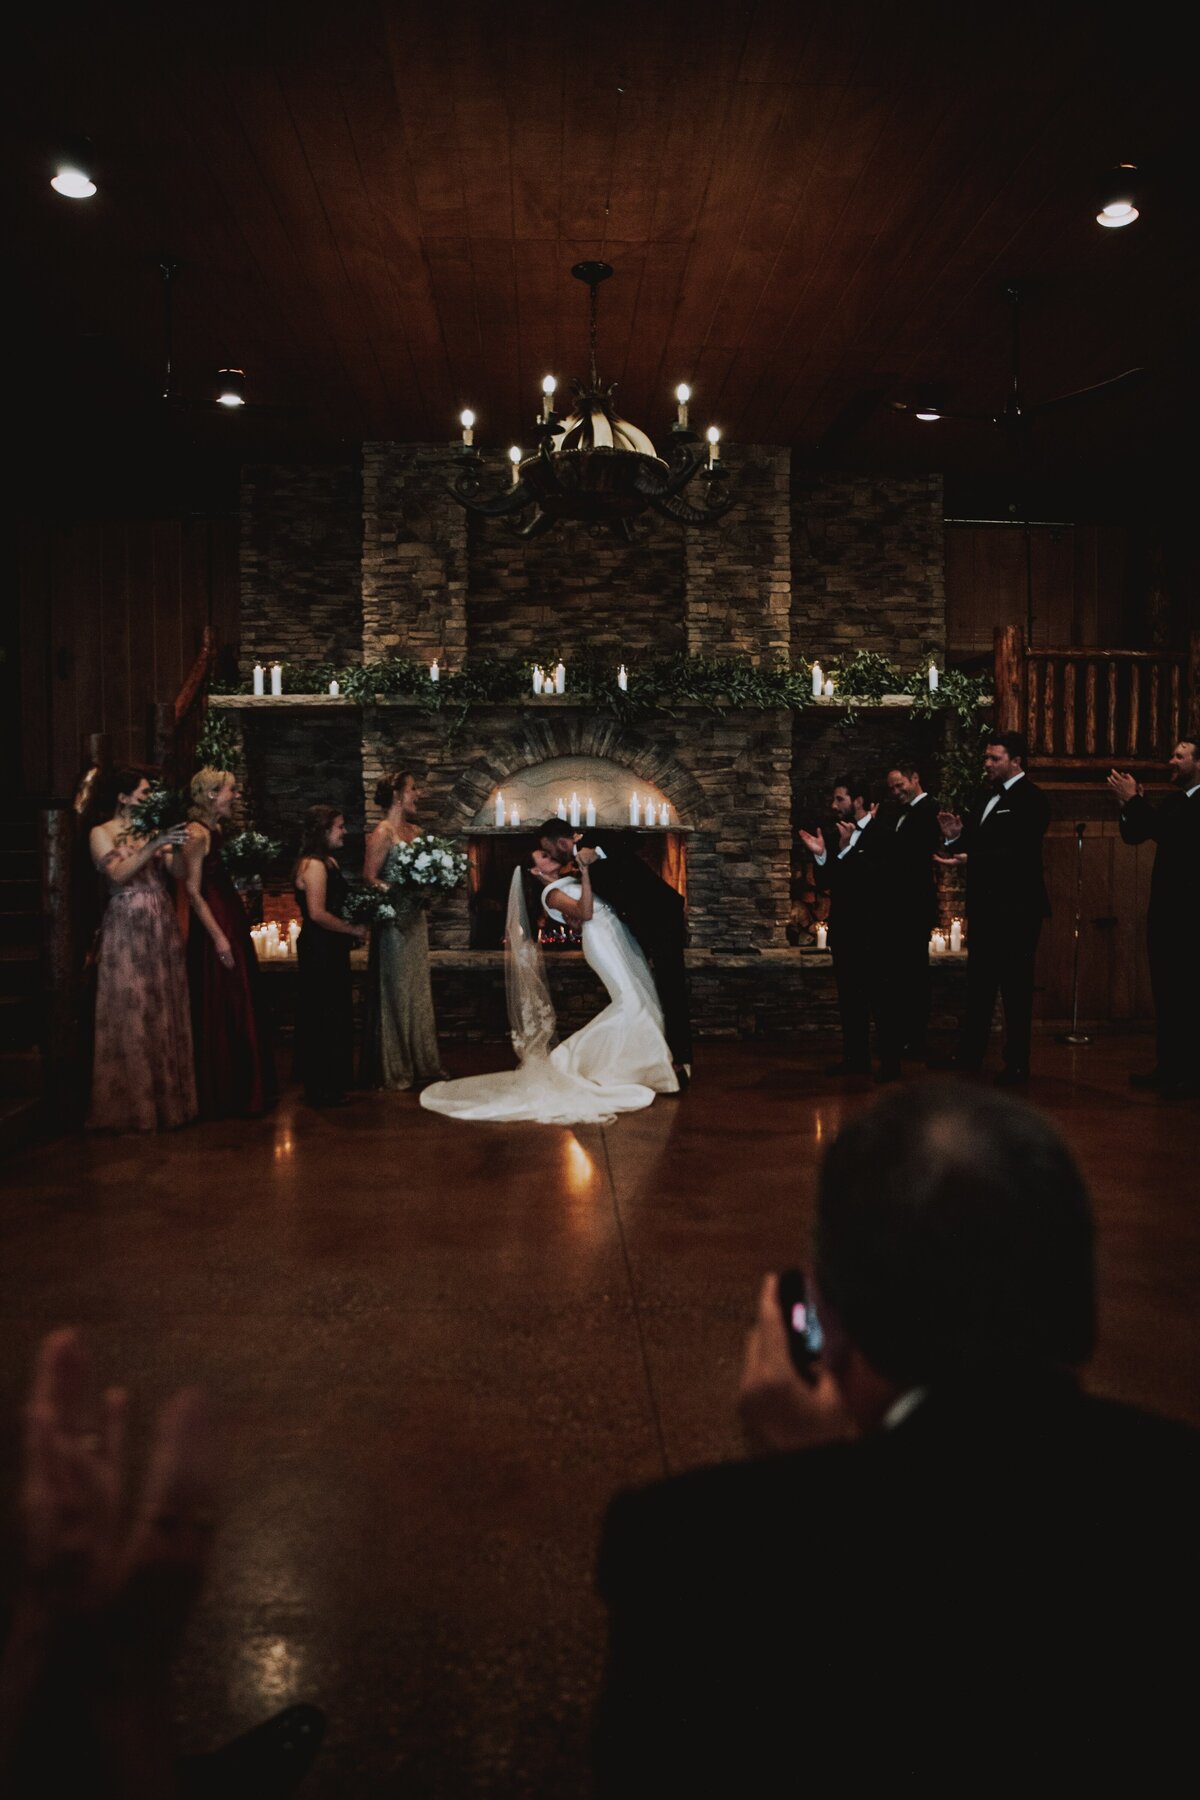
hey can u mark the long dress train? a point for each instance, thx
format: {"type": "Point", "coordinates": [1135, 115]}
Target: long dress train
{"type": "Point", "coordinates": [616, 1063]}
{"type": "Point", "coordinates": [142, 1073]}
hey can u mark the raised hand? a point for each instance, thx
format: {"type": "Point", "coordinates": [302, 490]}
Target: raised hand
{"type": "Point", "coordinates": [1125, 787]}
{"type": "Point", "coordinates": [778, 1408]}
{"type": "Point", "coordinates": [845, 833]}
{"type": "Point", "coordinates": [951, 825]}
{"type": "Point", "coordinates": [812, 843]}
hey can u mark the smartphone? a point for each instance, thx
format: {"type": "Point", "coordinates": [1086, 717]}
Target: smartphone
{"type": "Point", "coordinates": [800, 1321]}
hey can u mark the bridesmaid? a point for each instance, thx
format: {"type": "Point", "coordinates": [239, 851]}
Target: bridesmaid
{"type": "Point", "coordinates": [324, 999]}
{"type": "Point", "coordinates": [142, 1076]}
{"type": "Point", "coordinates": [235, 1073]}
{"type": "Point", "coordinates": [400, 1047]}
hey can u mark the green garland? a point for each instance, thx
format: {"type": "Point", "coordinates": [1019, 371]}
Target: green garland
{"type": "Point", "coordinates": [961, 696]}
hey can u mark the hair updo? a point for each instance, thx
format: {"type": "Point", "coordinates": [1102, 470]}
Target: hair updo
{"type": "Point", "coordinates": [391, 787]}
{"type": "Point", "coordinates": [205, 785]}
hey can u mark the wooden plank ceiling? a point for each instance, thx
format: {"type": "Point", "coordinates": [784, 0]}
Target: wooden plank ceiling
{"type": "Point", "coordinates": [810, 207]}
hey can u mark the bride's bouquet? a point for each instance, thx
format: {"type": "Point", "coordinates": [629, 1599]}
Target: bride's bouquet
{"type": "Point", "coordinates": [365, 904]}
{"type": "Point", "coordinates": [427, 866]}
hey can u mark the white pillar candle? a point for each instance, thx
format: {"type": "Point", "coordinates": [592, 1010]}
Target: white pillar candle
{"type": "Point", "coordinates": [560, 811]}
{"type": "Point", "coordinates": [829, 687]}
{"type": "Point", "coordinates": [623, 679]}
{"type": "Point", "coordinates": [590, 815]}
{"type": "Point", "coordinates": [435, 673]}
{"type": "Point", "coordinates": [560, 679]}
{"type": "Point", "coordinates": [334, 690]}
{"type": "Point", "coordinates": [258, 678]}
{"type": "Point", "coordinates": [939, 943]}
{"type": "Point", "coordinates": [822, 937]}
{"type": "Point", "coordinates": [635, 811]}
{"type": "Point", "coordinates": [539, 680]}
{"type": "Point", "coordinates": [575, 811]}
{"type": "Point", "coordinates": [818, 680]}
{"type": "Point", "coordinates": [933, 678]}
{"type": "Point", "coordinates": [514, 817]}
{"type": "Point", "coordinates": [956, 934]}
{"type": "Point", "coordinates": [294, 932]}
{"type": "Point", "coordinates": [665, 814]}
{"type": "Point", "coordinates": [499, 808]}
{"type": "Point", "coordinates": [277, 678]}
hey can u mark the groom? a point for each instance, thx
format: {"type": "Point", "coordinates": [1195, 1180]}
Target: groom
{"type": "Point", "coordinates": [651, 909]}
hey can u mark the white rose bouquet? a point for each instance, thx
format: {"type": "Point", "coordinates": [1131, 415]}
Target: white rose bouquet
{"type": "Point", "coordinates": [428, 866]}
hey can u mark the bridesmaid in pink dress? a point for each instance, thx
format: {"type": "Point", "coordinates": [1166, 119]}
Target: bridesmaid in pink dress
{"type": "Point", "coordinates": [142, 1077]}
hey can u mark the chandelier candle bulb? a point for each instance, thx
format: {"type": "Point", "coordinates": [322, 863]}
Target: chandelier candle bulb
{"type": "Point", "coordinates": [635, 811]}
{"type": "Point", "coordinates": [467, 421]}
{"type": "Point", "coordinates": [276, 678]}
{"type": "Point", "coordinates": [548, 386]}
{"type": "Point", "coordinates": [500, 808]}
{"type": "Point", "coordinates": [590, 815]}
{"type": "Point", "coordinates": [818, 681]}
{"type": "Point", "coordinates": [933, 678]}
{"type": "Point", "coordinates": [334, 690]}
{"type": "Point", "coordinates": [683, 394]}
{"type": "Point", "coordinates": [714, 446]}
{"type": "Point", "coordinates": [560, 811]}
{"type": "Point", "coordinates": [822, 937]}
{"type": "Point", "coordinates": [514, 457]}
{"type": "Point", "coordinates": [956, 934]}
{"type": "Point", "coordinates": [560, 679]}
{"type": "Point", "coordinates": [435, 673]}
{"type": "Point", "coordinates": [623, 679]}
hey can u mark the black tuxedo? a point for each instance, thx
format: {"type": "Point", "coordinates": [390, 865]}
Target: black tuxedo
{"type": "Point", "coordinates": [996, 1586]}
{"type": "Point", "coordinates": [852, 883]}
{"type": "Point", "coordinates": [654, 913]}
{"type": "Point", "coordinates": [1006, 904]}
{"type": "Point", "coordinates": [911, 837]}
{"type": "Point", "coordinates": [1171, 920]}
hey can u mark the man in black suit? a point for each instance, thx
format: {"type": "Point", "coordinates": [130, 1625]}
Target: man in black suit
{"type": "Point", "coordinates": [1001, 843]}
{"type": "Point", "coordinates": [911, 837]}
{"type": "Point", "coordinates": [846, 869]}
{"type": "Point", "coordinates": [949, 1567]}
{"type": "Point", "coordinates": [1172, 937]}
{"type": "Point", "coordinates": [652, 910]}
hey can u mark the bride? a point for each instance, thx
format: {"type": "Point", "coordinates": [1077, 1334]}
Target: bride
{"type": "Point", "coordinates": [616, 1063]}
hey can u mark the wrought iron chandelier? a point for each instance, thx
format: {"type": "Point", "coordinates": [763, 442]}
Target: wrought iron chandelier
{"type": "Point", "coordinates": [592, 465]}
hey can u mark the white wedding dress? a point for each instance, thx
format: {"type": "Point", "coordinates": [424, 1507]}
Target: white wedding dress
{"type": "Point", "coordinates": [616, 1063]}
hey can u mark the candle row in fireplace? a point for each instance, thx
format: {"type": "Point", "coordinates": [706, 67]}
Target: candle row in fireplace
{"type": "Point", "coordinates": [641, 811]}
{"type": "Point", "coordinates": [271, 944]}
{"type": "Point", "coordinates": [939, 941]}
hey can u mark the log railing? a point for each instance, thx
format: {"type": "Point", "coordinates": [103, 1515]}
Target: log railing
{"type": "Point", "coordinates": [1085, 708]}
{"type": "Point", "coordinates": [174, 725]}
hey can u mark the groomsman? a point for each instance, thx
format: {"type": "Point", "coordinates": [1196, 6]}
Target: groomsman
{"type": "Point", "coordinates": [847, 869]}
{"type": "Point", "coordinates": [1001, 843]}
{"type": "Point", "coordinates": [912, 838]}
{"type": "Point", "coordinates": [1173, 919]}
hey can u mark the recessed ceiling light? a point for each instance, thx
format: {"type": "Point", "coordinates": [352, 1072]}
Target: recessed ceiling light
{"type": "Point", "coordinates": [1117, 197]}
{"type": "Point", "coordinates": [231, 387]}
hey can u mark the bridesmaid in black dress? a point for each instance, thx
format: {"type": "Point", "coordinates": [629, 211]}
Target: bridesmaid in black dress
{"type": "Point", "coordinates": [324, 1002]}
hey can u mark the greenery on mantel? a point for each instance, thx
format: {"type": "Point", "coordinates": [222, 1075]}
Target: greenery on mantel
{"type": "Point", "coordinates": [656, 685]}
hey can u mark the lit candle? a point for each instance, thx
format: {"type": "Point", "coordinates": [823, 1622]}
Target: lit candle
{"type": "Point", "coordinates": [560, 810]}
{"type": "Point", "coordinates": [548, 386]}
{"type": "Point", "coordinates": [539, 679]}
{"type": "Point", "coordinates": [956, 934]}
{"type": "Point", "coordinates": [575, 810]}
{"type": "Point", "coordinates": [683, 394]}
{"type": "Point", "coordinates": [435, 673]}
{"type": "Point", "coordinates": [258, 678]}
{"type": "Point", "coordinates": [623, 679]}
{"type": "Point", "coordinates": [467, 421]}
{"type": "Point", "coordinates": [714, 446]}
{"type": "Point", "coordinates": [939, 943]}
{"type": "Point", "coordinates": [560, 679]}
{"type": "Point", "coordinates": [293, 934]}
{"type": "Point", "coordinates": [829, 687]}
{"type": "Point", "coordinates": [933, 678]}
{"type": "Point", "coordinates": [822, 937]}
{"type": "Point", "coordinates": [499, 808]}
{"type": "Point", "coordinates": [818, 680]}
{"type": "Point", "coordinates": [635, 811]}
{"type": "Point", "coordinates": [664, 817]}
{"type": "Point", "coordinates": [334, 689]}
{"type": "Point", "coordinates": [590, 815]}
{"type": "Point", "coordinates": [514, 457]}
{"type": "Point", "coordinates": [277, 678]}
{"type": "Point", "coordinates": [514, 817]}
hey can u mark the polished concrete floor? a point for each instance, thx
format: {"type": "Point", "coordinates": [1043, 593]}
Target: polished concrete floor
{"type": "Point", "coordinates": [437, 1350]}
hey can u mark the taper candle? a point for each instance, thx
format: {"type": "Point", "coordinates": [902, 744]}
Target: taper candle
{"type": "Point", "coordinates": [258, 678]}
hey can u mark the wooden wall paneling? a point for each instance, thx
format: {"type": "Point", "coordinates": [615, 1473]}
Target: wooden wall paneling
{"type": "Point", "coordinates": [1126, 934]}
{"type": "Point", "coordinates": [128, 739]}
{"type": "Point", "coordinates": [142, 603]}
{"type": "Point", "coordinates": [221, 554]}
{"type": "Point", "coordinates": [82, 672]}
{"type": "Point", "coordinates": [34, 567]}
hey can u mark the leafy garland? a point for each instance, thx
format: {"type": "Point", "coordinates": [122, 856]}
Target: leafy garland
{"type": "Point", "coordinates": [961, 759]}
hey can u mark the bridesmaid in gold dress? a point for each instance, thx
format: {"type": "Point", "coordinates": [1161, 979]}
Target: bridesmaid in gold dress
{"type": "Point", "coordinates": [400, 1048]}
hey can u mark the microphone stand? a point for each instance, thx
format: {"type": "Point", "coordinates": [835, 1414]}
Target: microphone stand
{"type": "Point", "coordinates": [1076, 1037]}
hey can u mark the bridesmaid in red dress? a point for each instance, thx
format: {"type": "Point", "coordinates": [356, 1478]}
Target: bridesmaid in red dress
{"type": "Point", "coordinates": [235, 1072]}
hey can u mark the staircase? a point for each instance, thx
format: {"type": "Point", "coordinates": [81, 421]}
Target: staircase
{"type": "Point", "coordinates": [20, 983]}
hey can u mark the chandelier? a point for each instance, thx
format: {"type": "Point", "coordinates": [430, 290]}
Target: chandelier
{"type": "Point", "coordinates": [593, 466]}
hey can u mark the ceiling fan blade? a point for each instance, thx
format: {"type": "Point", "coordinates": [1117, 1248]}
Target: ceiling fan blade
{"type": "Point", "coordinates": [944, 412]}
{"type": "Point", "coordinates": [1131, 378]}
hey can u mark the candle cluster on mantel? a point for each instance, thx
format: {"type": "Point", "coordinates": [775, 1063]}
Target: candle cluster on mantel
{"type": "Point", "coordinates": [546, 683]}
{"type": "Point", "coordinates": [940, 941]}
{"type": "Point", "coordinates": [273, 945]}
{"type": "Point", "coordinates": [647, 811]}
{"type": "Point", "coordinates": [276, 680]}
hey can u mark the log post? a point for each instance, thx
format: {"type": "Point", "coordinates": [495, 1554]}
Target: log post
{"type": "Point", "coordinates": [59, 1036]}
{"type": "Point", "coordinates": [1009, 653]}
{"type": "Point", "coordinates": [160, 737]}
{"type": "Point", "coordinates": [1193, 713]}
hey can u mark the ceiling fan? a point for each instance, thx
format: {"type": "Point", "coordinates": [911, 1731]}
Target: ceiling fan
{"type": "Point", "coordinates": [229, 396]}
{"type": "Point", "coordinates": [1016, 418]}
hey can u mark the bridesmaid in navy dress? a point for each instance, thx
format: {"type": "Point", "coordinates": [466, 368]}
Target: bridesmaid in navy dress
{"type": "Point", "coordinates": [324, 1002]}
